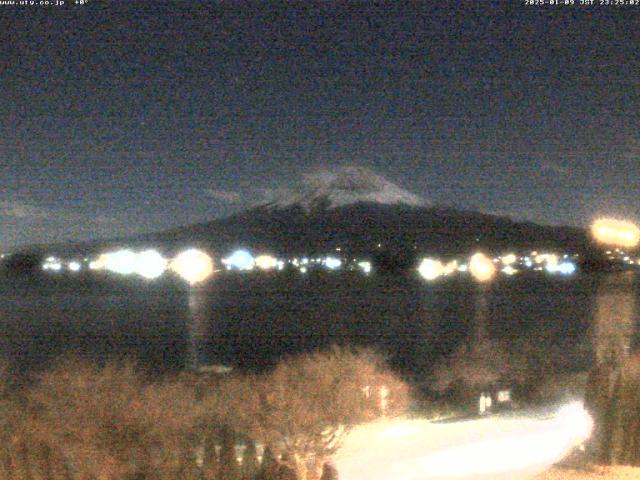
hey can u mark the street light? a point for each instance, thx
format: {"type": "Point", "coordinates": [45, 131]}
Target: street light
{"type": "Point", "coordinates": [509, 259]}
{"type": "Point", "coordinates": [483, 271]}
{"type": "Point", "coordinates": [266, 262]}
{"type": "Point", "coordinates": [617, 233]}
{"type": "Point", "coordinates": [195, 267]}
{"type": "Point", "coordinates": [482, 268]}
{"type": "Point", "coordinates": [150, 264]}
{"type": "Point", "coordinates": [430, 269]}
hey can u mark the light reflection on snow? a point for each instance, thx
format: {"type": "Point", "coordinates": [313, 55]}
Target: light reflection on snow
{"type": "Point", "coordinates": [491, 448]}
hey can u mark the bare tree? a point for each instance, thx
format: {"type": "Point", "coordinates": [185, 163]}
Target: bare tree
{"type": "Point", "coordinates": [614, 399]}
{"type": "Point", "coordinates": [109, 423]}
{"type": "Point", "coordinates": [304, 407]}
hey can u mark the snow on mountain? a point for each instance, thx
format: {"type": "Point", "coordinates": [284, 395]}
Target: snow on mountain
{"type": "Point", "coordinates": [339, 187]}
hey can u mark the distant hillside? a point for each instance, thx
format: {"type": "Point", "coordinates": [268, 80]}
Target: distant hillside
{"type": "Point", "coordinates": [359, 228]}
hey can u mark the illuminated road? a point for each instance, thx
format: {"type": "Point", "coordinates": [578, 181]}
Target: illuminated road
{"type": "Point", "coordinates": [497, 447]}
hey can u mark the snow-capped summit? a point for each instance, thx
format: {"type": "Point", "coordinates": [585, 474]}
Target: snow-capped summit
{"type": "Point", "coordinates": [342, 186]}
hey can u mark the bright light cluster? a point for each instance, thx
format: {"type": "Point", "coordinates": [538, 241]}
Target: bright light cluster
{"type": "Point", "coordinates": [484, 268]}
{"type": "Point", "coordinates": [122, 262]}
{"type": "Point", "coordinates": [192, 265]}
{"type": "Point", "coordinates": [148, 263]}
{"type": "Point", "coordinates": [52, 264]}
{"type": "Point", "coordinates": [619, 233]}
{"type": "Point", "coordinates": [151, 264]}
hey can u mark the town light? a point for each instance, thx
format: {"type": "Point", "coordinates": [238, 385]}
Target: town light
{"type": "Point", "coordinates": [450, 267]}
{"type": "Point", "coordinates": [240, 259]}
{"type": "Point", "coordinates": [430, 269]}
{"type": "Point", "coordinates": [549, 258]}
{"type": "Point", "coordinates": [99, 263]}
{"type": "Point", "coordinates": [150, 264]}
{"type": "Point", "coordinates": [74, 266]}
{"type": "Point", "coordinates": [193, 265]}
{"type": "Point", "coordinates": [365, 267]}
{"type": "Point", "coordinates": [617, 233]}
{"type": "Point", "coordinates": [55, 266]}
{"type": "Point", "coordinates": [121, 261]}
{"type": "Point", "coordinates": [481, 267]}
{"type": "Point", "coordinates": [332, 263]}
{"type": "Point", "coordinates": [509, 259]}
{"type": "Point", "coordinates": [266, 262]}
{"type": "Point", "coordinates": [509, 270]}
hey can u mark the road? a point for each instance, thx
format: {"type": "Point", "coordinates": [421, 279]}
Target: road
{"type": "Point", "coordinates": [506, 446]}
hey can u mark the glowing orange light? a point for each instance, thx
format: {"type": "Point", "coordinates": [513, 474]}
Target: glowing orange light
{"type": "Point", "coordinates": [509, 259]}
{"type": "Point", "coordinates": [549, 258]}
{"type": "Point", "coordinates": [193, 265]}
{"type": "Point", "coordinates": [618, 233]}
{"type": "Point", "coordinates": [430, 269]}
{"type": "Point", "coordinates": [509, 270]}
{"type": "Point", "coordinates": [450, 267]}
{"type": "Point", "coordinates": [100, 263]}
{"type": "Point", "coordinates": [481, 267]}
{"type": "Point", "coordinates": [266, 262]}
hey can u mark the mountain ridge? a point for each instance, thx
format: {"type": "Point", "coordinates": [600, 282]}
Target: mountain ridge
{"type": "Point", "coordinates": [357, 211]}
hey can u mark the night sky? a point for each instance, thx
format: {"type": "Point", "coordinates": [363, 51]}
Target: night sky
{"type": "Point", "coordinates": [122, 117]}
